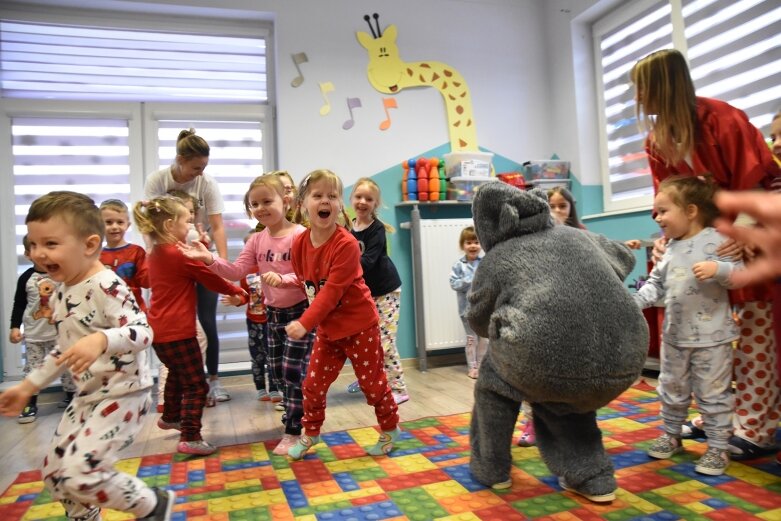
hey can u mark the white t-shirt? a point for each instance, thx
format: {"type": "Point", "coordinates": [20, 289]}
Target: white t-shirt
{"type": "Point", "coordinates": [204, 188]}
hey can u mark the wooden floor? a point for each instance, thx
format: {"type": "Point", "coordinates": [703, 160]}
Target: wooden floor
{"type": "Point", "coordinates": [440, 391]}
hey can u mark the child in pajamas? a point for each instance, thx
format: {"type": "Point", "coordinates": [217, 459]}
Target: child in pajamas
{"type": "Point", "coordinates": [327, 260]}
{"type": "Point", "coordinates": [103, 339]}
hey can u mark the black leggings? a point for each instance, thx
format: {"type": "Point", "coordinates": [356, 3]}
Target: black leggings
{"type": "Point", "coordinates": [207, 315]}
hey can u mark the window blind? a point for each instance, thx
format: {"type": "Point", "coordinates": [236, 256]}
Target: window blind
{"type": "Point", "coordinates": [734, 53]}
{"type": "Point", "coordinates": [51, 61]}
{"type": "Point", "coordinates": [620, 47]}
{"type": "Point", "coordinates": [86, 155]}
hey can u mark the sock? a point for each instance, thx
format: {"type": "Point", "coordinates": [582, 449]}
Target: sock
{"type": "Point", "coordinates": [33, 401]}
{"type": "Point", "coordinates": [385, 444]}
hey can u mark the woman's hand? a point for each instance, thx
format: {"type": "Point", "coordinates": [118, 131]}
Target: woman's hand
{"type": "Point", "coordinates": [196, 251]}
{"type": "Point", "coordinates": [660, 246]}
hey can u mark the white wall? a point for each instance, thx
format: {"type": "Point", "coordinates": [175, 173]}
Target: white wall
{"type": "Point", "coordinates": [499, 46]}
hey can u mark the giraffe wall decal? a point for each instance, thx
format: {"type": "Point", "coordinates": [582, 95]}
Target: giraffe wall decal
{"type": "Point", "coordinates": [389, 74]}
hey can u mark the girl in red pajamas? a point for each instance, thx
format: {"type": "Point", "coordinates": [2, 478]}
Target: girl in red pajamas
{"type": "Point", "coordinates": [327, 260]}
{"type": "Point", "coordinates": [691, 135]}
{"type": "Point", "coordinates": [172, 312]}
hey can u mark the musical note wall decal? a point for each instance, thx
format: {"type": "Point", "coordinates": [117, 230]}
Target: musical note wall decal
{"type": "Point", "coordinates": [352, 103]}
{"type": "Point", "coordinates": [387, 103]}
{"type": "Point", "coordinates": [298, 59]}
{"type": "Point", "coordinates": [325, 88]}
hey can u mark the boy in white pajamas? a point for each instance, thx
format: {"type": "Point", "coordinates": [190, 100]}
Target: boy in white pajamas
{"type": "Point", "coordinates": [103, 339]}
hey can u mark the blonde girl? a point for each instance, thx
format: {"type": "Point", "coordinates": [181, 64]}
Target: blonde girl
{"type": "Point", "coordinates": [268, 253]}
{"type": "Point", "coordinates": [381, 276]}
{"type": "Point", "coordinates": [327, 261]}
{"type": "Point", "coordinates": [172, 313]}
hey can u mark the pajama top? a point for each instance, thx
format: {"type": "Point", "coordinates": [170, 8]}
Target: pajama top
{"type": "Point", "coordinates": [340, 304]}
{"type": "Point", "coordinates": [101, 303]}
{"type": "Point", "coordinates": [129, 262]}
{"type": "Point", "coordinates": [697, 313]}
{"type": "Point", "coordinates": [33, 306]}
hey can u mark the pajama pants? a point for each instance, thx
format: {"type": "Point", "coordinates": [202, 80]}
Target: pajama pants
{"type": "Point", "coordinates": [162, 371]}
{"type": "Point", "coordinates": [35, 352]}
{"type": "Point", "coordinates": [476, 347]}
{"type": "Point", "coordinates": [79, 467]}
{"type": "Point", "coordinates": [185, 388]}
{"type": "Point", "coordinates": [757, 395]}
{"type": "Point", "coordinates": [258, 352]}
{"type": "Point", "coordinates": [328, 357]}
{"type": "Point", "coordinates": [388, 308]}
{"type": "Point", "coordinates": [705, 372]}
{"type": "Point", "coordinates": [288, 359]}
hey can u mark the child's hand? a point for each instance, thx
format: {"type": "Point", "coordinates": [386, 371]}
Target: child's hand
{"type": "Point", "coordinates": [633, 244]}
{"type": "Point", "coordinates": [83, 353]}
{"type": "Point", "coordinates": [704, 270]}
{"type": "Point", "coordinates": [660, 246]}
{"type": "Point", "coordinates": [203, 237]}
{"type": "Point", "coordinates": [13, 400]}
{"type": "Point", "coordinates": [231, 300]}
{"type": "Point", "coordinates": [271, 278]}
{"type": "Point", "coordinates": [196, 251]}
{"type": "Point", "coordinates": [295, 330]}
{"type": "Point", "coordinates": [15, 336]}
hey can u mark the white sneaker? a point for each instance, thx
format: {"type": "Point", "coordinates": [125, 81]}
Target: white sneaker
{"type": "Point", "coordinates": [219, 392]}
{"type": "Point", "coordinates": [288, 442]}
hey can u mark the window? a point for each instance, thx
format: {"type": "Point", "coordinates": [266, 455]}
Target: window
{"type": "Point", "coordinates": [93, 102]}
{"type": "Point", "coordinates": [734, 52]}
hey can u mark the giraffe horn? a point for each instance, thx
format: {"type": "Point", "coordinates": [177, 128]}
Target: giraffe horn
{"type": "Point", "coordinates": [377, 21]}
{"type": "Point", "coordinates": [368, 21]}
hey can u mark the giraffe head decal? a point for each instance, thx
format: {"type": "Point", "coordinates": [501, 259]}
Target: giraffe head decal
{"type": "Point", "coordinates": [389, 74]}
{"type": "Point", "coordinates": [385, 67]}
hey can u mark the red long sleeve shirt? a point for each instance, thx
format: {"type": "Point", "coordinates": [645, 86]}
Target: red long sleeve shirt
{"type": "Point", "coordinates": [340, 303]}
{"type": "Point", "coordinates": [172, 278]}
{"type": "Point", "coordinates": [129, 262]}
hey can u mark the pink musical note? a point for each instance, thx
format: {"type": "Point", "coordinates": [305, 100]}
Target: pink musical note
{"type": "Point", "coordinates": [352, 103]}
{"type": "Point", "coordinates": [387, 103]}
{"type": "Point", "coordinates": [298, 59]}
{"type": "Point", "coordinates": [325, 88]}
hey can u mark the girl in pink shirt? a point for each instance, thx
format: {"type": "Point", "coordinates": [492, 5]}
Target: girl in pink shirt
{"type": "Point", "coordinates": [268, 253]}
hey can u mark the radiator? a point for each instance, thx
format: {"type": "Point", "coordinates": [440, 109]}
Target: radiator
{"type": "Point", "coordinates": [435, 249]}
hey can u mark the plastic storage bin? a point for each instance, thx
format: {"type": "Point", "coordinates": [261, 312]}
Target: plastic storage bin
{"type": "Point", "coordinates": [464, 188]}
{"type": "Point", "coordinates": [548, 169]}
{"type": "Point", "coordinates": [468, 164]}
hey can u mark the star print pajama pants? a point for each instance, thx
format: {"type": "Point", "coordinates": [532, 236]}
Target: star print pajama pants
{"type": "Point", "coordinates": [328, 357]}
{"type": "Point", "coordinates": [388, 307]}
{"type": "Point", "coordinates": [79, 466]}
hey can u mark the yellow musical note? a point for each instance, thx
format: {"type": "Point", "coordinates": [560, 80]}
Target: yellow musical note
{"type": "Point", "coordinates": [298, 59]}
{"type": "Point", "coordinates": [352, 103]}
{"type": "Point", "coordinates": [387, 103]}
{"type": "Point", "coordinates": [325, 88]}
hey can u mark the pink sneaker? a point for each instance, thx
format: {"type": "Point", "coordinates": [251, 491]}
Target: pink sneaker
{"type": "Point", "coordinates": [527, 437]}
{"type": "Point", "coordinates": [287, 443]}
{"type": "Point", "coordinates": [197, 447]}
{"type": "Point", "coordinates": [167, 426]}
{"type": "Point", "coordinates": [400, 398]}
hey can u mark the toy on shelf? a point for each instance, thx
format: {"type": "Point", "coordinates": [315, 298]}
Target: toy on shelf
{"type": "Point", "coordinates": [423, 179]}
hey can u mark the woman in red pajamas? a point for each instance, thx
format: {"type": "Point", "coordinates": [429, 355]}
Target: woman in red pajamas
{"type": "Point", "coordinates": [692, 135]}
{"type": "Point", "coordinates": [327, 260]}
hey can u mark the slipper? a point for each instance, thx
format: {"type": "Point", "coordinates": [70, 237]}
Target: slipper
{"type": "Point", "coordinates": [741, 449]}
{"type": "Point", "coordinates": [690, 431]}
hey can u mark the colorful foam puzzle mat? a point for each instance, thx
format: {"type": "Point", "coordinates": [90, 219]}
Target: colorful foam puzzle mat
{"type": "Point", "coordinates": [427, 477]}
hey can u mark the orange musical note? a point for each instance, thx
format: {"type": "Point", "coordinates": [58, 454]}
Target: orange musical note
{"type": "Point", "coordinates": [325, 88]}
{"type": "Point", "coordinates": [352, 103]}
{"type": "Point", "coordinates": [298, 59]}
{"type": "Point", "coordinates": [387, 103]}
